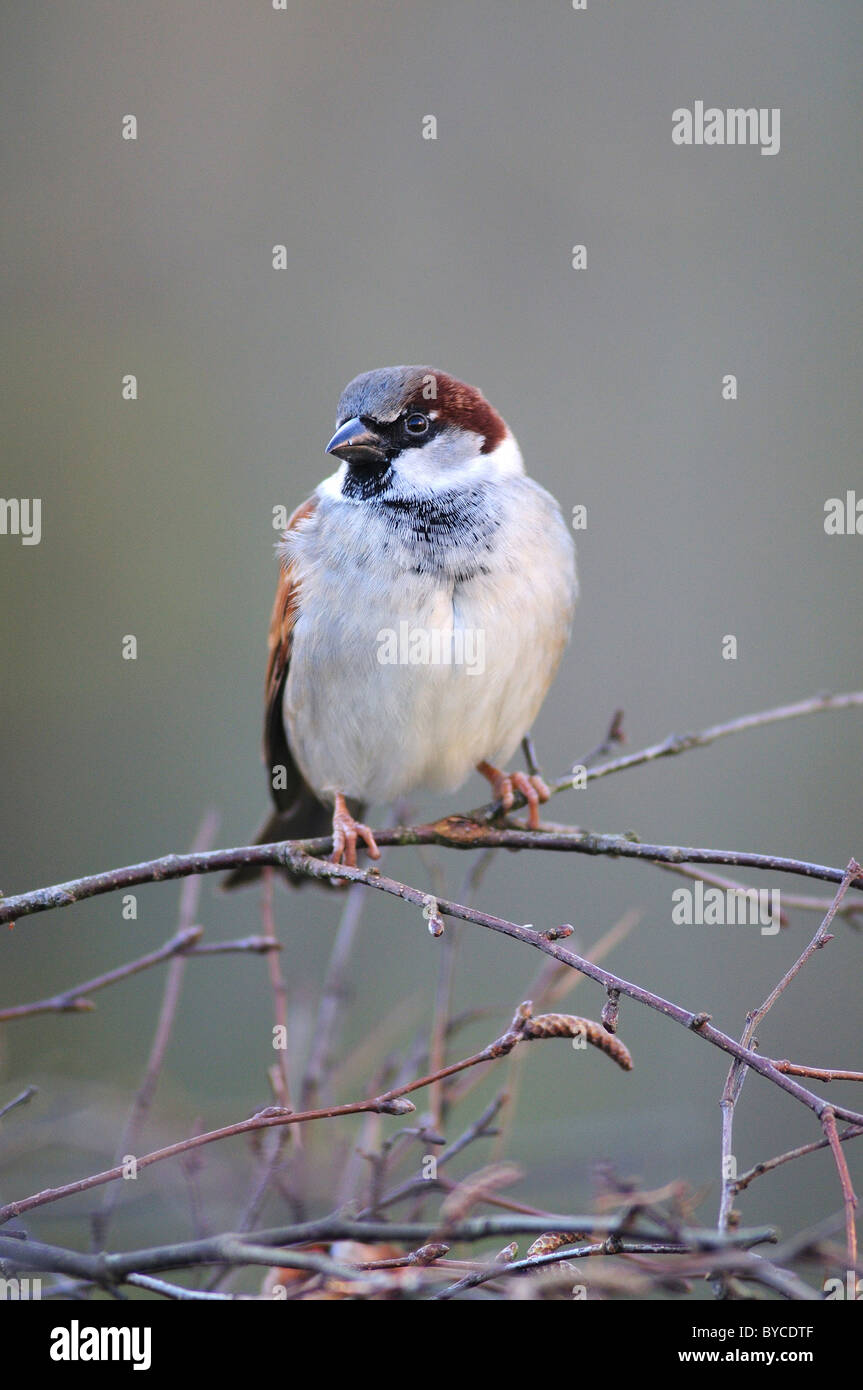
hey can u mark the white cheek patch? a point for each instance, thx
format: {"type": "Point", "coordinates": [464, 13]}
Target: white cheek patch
{"type": "Point", "coordinates": [454, 457]}
{"type": "Point", "coordinates": [438, 460]}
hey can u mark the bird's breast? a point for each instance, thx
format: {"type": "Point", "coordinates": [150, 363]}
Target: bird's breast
{"type": "Point", "coordinates": [411, 663]}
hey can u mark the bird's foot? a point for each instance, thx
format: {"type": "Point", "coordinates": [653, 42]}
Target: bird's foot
{"type": "Point", "coordinates": [505, 784]}
{"type": "Point", "coordinates": [346, 832]}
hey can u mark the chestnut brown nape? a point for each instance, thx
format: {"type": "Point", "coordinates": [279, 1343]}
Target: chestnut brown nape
{"type": "Point", "coordinates": [466, 407]}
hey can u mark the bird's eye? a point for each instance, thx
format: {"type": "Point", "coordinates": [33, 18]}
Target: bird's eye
{"type": "Point", "coordinates": [416, 423]}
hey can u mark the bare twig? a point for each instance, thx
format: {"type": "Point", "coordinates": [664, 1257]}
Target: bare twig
{"type": "Point", "coordinates": [737, 1072]}
{"type": "Point", "coordinates": [392, 1102]}
{"type": "Point", "coordinates": [481, 829]}
{"type": "Point", "coordinates": [739, 1261]}
{"type": "Point", "coordinates": [768, 1164]}
{"type": "Point", "coordinates": [446, 982]}
{"type": "Point", "coordinates": [251, 945]}
{"type": "Point", "coordinates": [189, 899]}
{"type": "Point", "coordinates": [849, 1200]}
{"type": "Point", "coordinates": [613, 738]}
{"type": "Point", "coordinates": [332, 999]}
{"type": "Point", "coordinates": [267, 1247]}
{"type": "Point", "coordinates": [478, 1129]}
{"type": "Point", "coordinates": [455, 832]}
{"type": "Point", "coordinates": [153, 1285]}
{"type": "Point", "coordinates": [331, 1003]}
{"type": "Point", "coordinates": [27, 1094]}
{"type": "Point", "coordinates": [818, 1073]}
{"type": "Point", "coordinates": [75, 1000]}
{"type": "Point", "coordinates": [281, 1077]}
{"type": "Point", "coordinates": [460, 832]}
{"type": "Point", "coordinates": [681, 743]}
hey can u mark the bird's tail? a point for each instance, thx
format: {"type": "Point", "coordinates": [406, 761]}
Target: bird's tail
{"type": "Point", "coordinates": [305, 820]}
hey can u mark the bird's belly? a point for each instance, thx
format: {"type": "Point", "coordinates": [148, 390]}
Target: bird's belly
{"type": "Point", "coordinates": [415, 691]}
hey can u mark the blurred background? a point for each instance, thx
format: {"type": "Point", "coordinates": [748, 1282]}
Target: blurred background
{"type": "Point", "coordinates": [705, 518]}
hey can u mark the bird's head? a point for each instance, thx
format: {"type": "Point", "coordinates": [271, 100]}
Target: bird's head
{"type": "Point", "coordinates": [415, 430]}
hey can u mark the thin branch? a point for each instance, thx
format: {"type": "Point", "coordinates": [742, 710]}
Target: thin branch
{"type": "Point", "coordinates": [26, 1095]}
{"type": "Point", "coordinates": [281, 1077]}
{"type": "Point", "coordinates": [697, 1022]}
{"type": "Point", "coordinates": [849, 1200]}
{"type": "Point", "coordinates": [475, 831]}
{"type": "Point", "coordinates": [461, 832]}
{"type": "Point", "coordinates": [820, 939]}
{"type": "Point", "coordinates": [331, 1003]}
{"type": "Point", "coordinates": [546, 942]}
{"type": "Point", "coordinates": [440, 1022]}
{"type": "Point", "coordinates": [455, 832]}
{"type": "Point", "coordinates": [613, 738]}
{"type": "Point", "coordinates": [478, 1129]}
{"type": "Point", "coordinates": [768, 1164]}
{"type": "Point", "coordinates": [393, 1102]}
{"type": "Point", "coordinates": [267, 1246]}
{"type": "Point", "coordinates": [75, 1000]}
{"type": "Point", "coordinates": [750, 1266]}
{"type": "Point", "coordinates": [140, 1108]}
{"type": "Point", "coordinates": [737, 1071]}
{"type": "Point", "coordinates": [446, 971]}
{"type": "Point", "coordinates": [681, 743]}
{"type": "Point", "coordinates": [153, 1285]}
{"type": "Point", "coordinates": [251, 945]}
{"type": "Point", "coordinates": [818, 1073]}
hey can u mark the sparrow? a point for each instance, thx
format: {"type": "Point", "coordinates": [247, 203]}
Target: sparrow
{"type": "Point", "coordinates": [424, 601]}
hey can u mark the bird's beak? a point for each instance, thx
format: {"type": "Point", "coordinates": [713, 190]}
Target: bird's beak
{"type": "Point", "coordinates": [358, 445]}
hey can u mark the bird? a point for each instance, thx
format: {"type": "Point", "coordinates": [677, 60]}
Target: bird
{"type": "Point", "coordinates": [424, 601]}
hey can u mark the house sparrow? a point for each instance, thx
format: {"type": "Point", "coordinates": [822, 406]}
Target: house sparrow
{"type": "Point", "coordinates": [423, 605]}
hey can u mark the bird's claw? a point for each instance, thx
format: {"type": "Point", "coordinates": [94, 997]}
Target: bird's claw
{"type": "Point", "coordinates": [346, 832]}
{"type": "Point", "coordinates": [505, 784]}
{"type": "Point", "coordinates": [534, 790]}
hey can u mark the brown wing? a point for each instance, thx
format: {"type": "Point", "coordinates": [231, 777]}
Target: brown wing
{"type": "Point", "coordinates": [299, 815]}
{"type": "Point", "coordinates": [277, 750]}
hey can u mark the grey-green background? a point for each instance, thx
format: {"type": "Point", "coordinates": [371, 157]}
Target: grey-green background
{"type": "Point", "coordinates": [705, 518]}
